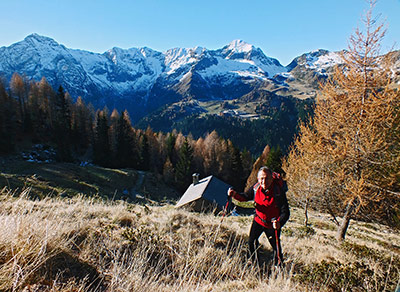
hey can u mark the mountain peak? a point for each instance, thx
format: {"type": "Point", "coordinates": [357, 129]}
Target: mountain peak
{"type": "Point", "coordinates": [36, 40]}
{"type": "Point", "coordinates": [240, 46]}
{"type": "Point", "coordinates": [38, 37]}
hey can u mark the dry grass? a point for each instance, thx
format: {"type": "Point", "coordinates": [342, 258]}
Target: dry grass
{"type": "Point", "coordinates": [84, 244]}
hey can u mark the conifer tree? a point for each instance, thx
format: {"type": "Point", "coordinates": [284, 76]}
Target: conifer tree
{"type": "Point", "coordinates": [352, 144]}
{"type": "Point", "coordinates": [38, 111]}
{"type": "Point", "coordinates": [126, 148]}
{"type": "Point", "coordinates": [33, 111]}
{"type": "Point", "coordinates": [101, 141]}
{"type": "Point", "coordinates": [81, 126]}
{"type": "Point", "coordinates": [19, 90]}
{"type": "Point", "coordinates": [144, 153]}
{"type": "Point", "coordinates": [46, 95]}
{"type": "Point", "coordinates": [274, 160]}
{"type": "Point", "coordinates": [170, 145]}
{"type": "Point", "coordinates": [183, 169]}
{"type": "Point", "coordinates": [62, 124]}
{"type": "Point", "coordinates": [247, 162]}
{"type": "Point", "coordinates": [156, 156]}
{"type": "Point", "coordinates": [114, 119]}
{"type": "Point", "coordinates": [8, 126]}
{"type": "Point", "coordinates": [236, 177]}
{"type": "Point", "coordinates": [224, 159]}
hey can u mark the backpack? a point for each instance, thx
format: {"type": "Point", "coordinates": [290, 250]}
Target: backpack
{"type": "Point", "coordinates": [280, 182]}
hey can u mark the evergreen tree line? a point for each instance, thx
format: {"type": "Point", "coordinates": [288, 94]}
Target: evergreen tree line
{"type": "Point", "coordinates": [34, 111]}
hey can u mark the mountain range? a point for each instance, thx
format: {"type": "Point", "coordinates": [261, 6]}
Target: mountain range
{"type": "Point", "coordinates": [142, 79]}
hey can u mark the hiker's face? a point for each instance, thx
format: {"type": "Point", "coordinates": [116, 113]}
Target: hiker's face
{"type": "Point", "coordinates": [264, 179]}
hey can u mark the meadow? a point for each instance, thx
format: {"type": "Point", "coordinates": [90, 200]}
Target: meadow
{"type": "Point", "coordinates": [91, 244]}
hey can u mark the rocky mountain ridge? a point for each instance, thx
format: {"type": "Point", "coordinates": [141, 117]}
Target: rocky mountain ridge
{"type": "Point", "coordinates": [141, 77]}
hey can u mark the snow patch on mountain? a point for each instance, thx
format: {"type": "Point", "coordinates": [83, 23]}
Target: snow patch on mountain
{"type": "Point", "coordinates": [239, 46]}
{"type": "Point", "coordinates": [319, 62]}
{"type": "Point", "coordinates": [178, 57]}
{"type": "Point", "coordinates": [93, 63]}
{"type": "Point", "coordinates": [124, 70]}
{"type": "Point", "coordinates": [225, 66]}
{"type": "Point", "coordinates": [243, 68]}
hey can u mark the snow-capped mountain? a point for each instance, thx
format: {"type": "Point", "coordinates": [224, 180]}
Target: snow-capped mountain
{"type": "Point", "coordinates": [142, 79]}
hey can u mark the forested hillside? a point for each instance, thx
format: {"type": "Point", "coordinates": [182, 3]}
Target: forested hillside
{"type": "Point", "coordinates": [32, 113]}
{"type": "Point", "coordinates": [274, 120]}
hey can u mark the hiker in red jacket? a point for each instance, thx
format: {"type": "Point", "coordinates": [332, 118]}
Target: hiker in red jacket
{"type": "Point", "coordinates": [272, 211]}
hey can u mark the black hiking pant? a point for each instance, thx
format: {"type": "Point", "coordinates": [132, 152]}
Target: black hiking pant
{"type": "Point", "coordinates": [255, 232]}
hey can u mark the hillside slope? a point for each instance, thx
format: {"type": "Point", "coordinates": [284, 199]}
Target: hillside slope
{"type": "Point", "coordinates": [89, 245]}
{"type": "Point", "coordinates": [71, 179]}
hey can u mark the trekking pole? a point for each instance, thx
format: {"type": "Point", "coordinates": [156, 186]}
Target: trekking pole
{"type": "Point", "coordinates": [277, 248]}
{"type": "Point", "coordinates": [226, 206]}
{"type": "Point", "coordinates": [225, 210]}
{"type": "Point", "coordinates": [277, 243]}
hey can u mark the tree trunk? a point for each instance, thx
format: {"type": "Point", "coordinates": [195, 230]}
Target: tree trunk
{"type": "Point", "coordinates": [341, 232]}
{"type": "Point", "coordinates": [306, 212]}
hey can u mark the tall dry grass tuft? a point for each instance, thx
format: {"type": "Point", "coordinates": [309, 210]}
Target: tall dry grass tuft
{"type": "Point", "coordinates": [28, 240]}
{"type": "Point", "coordinates": [85, 244]}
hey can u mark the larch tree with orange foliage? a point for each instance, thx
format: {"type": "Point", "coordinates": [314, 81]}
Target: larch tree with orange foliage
{"type": "Point", "coordinates": [347, 157]}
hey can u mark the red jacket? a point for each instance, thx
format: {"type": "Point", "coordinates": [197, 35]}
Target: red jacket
{"type": "Point", "coordinates": [269, 204]}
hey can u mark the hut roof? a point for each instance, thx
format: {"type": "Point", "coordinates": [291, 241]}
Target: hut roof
{"type": "Point", "coordinates": [210, 189]}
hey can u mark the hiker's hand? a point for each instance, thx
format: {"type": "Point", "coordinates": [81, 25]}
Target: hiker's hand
{"type": "Point", "coordinates": [231, 192]}
{"type": "Point", "coordinates": [276, 224]}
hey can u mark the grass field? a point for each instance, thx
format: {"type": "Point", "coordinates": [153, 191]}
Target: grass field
{"type": "Point", "coordinates": [71, 179]}
{"type": "Point", "coordinates": [82, 244]}
{"type": "Point", "coordinates": [85, 242]}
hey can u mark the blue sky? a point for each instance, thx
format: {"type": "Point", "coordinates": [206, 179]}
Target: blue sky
{"type": "Point", "coordinates": [282, 29]}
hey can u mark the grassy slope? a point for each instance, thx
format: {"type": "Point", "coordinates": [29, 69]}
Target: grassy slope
{"type": "Point", "coordinates": [85, 244]}
{"type": "Point", "coordinates": [67, 244]}
{"type": "Point", "coordinates": [71, 179]}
